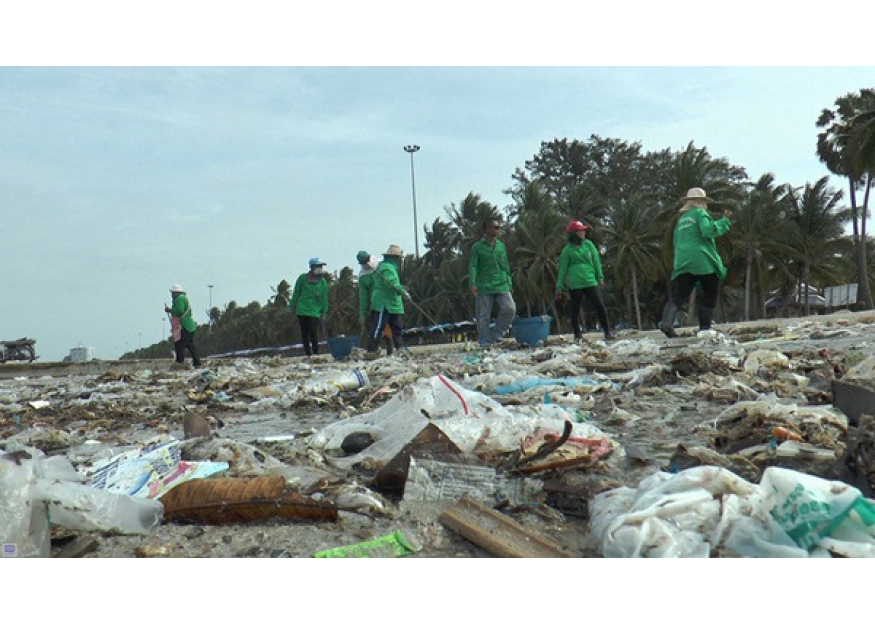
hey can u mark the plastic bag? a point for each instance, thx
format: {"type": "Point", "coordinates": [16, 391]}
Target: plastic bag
{"type": "Point", "coordinates": [809, 508]}
{"type": "Point", "coordinates": [35, 489]}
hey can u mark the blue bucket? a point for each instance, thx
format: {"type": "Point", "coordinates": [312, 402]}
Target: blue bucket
{"type": "Point", "coordinates": [531, 331]}
{"type": "Point", "coordinates": [341, 346]}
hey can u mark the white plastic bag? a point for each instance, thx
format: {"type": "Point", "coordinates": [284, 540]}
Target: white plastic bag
{"type": "Point", "coordinates": [810, 508]}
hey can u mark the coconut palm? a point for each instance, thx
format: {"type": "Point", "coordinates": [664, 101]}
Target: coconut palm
{"type": "Point", "coordinates": [343, 304]}
{"type": "Point", "coordinates": [695, 167]}
{"type": "Point", "coordinates": [815, 236]}
{"type": "Point", "coordinates": [838, 149]}
{"type": "Point", "coordinates": [633, 245]}
{"type": "Point", "coordinates": [442, 242]}
{"type": "Point", "coordinates": [757, 233]}
{"type": "Point", "coordinates": [534, 245]}
{"type": "Point", "coordinates": [863, 143]}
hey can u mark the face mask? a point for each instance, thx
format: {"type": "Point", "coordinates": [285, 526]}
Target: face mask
{"type": "Point", "coordinates": [316, 270]}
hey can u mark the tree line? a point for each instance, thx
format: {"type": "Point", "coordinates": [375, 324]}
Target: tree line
{"type": "Point", "coordinates": [782, 237]}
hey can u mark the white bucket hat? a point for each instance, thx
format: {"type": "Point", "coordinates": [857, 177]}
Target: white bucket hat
{"type": "Point", "coordinates": [177, 289]}
{"type": "Point", "coordinates": [394, 250]}
{"type": "Point", "coordinates": [696, 193]}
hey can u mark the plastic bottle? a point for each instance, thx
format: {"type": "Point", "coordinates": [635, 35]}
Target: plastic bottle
{"type": "Point", "coordinates": [80, 507]}
{"type": "Point", "coordinates": [337, 381]}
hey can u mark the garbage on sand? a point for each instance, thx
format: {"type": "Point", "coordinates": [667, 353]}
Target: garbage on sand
{"type": "Point", "coordinates": [476, 423]}
{"type": "Point", "coordinates": [602, 416]}
{"type": "Point", "coordinates": [709, 511]}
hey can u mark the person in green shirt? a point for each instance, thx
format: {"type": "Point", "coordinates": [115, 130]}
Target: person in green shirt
{"type": "Point", "coordinates": [182, 325]}
{"type": "Point", "coordinates": [387, 300]}
{"type": "Point", "coordinates": [490, 281]}
{"type": "Point", "coordinates": [310, 303]}
{"type": "Point", "coordinates": [696, 260]}
{"type": "Point", "coordinates": [580, 274]}
{"type": "Point", "coordinates": [366, 278]}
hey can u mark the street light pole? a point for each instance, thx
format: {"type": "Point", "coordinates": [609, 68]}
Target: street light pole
{"type": "Point", "coordinates": [412, 149]}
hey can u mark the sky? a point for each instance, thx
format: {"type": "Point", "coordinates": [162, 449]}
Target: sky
{"type": "Point", "coordinates": [124, 171]}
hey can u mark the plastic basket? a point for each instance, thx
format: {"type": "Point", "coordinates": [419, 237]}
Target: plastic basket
{"type": "Point", "coordinates": [531, 331]}
{"type": "Point", "coordinates": [341, 346]}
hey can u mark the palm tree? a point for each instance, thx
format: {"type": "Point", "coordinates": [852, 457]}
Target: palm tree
{"type": "Point", "coordinates": [633, 245]}
{"type": "Point", "coordinates": [837, 150]}
{"type": "Point", "coordinates": [863, 142]}
{"type": "Point", "coordinates": [756, 233]}
{"type": "Point", "coordinates": [282, 293]}
{"type": "Point", "coordinates": [695, 167]}
{"type": "Point", "coordinates": [816, 233]}
{"type": "Point", "coordinates": [534, 247]}
{"type": "Point", "coordinates": [442, 242]}
{"type": "Point", "coordinates": [444, 291]}
{"type": "Point", "coordinates": [343, 304]}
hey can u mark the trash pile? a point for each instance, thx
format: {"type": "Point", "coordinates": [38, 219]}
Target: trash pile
{"type": "Point", "coordinates": [754, 441]}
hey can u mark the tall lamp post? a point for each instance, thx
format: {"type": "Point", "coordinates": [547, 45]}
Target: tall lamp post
{"type": "Point", "coordinates": [411, 150]}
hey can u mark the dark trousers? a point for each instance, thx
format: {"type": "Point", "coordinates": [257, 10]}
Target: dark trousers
{"type": "Point", "coordinates": [683, 285]}
{"type": "Point", "coordinates": [594, 297]}
{"type": "Point", "coordinates": [379, 320]}
{"type": "Point", "coordinates": [309, 334]}
{"type": "Point", "coordinates": [186, 341]}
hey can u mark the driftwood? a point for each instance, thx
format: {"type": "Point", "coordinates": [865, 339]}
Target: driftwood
{"type": "Point", "coordinates": [497, 533]}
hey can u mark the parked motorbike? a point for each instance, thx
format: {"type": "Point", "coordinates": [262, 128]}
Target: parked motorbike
{"type": "Point", "coordinates": [22, 349]}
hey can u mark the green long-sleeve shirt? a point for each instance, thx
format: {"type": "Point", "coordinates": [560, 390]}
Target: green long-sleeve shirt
{"type": "Point", "coordinates": [388, 291]}
{"type": "Point", "coordinates": [310, 298]}
{"type": "Point", "coordinates": [182, 311]}
{"type": "Point", "coordinates": [695, 248]}
{"type": "Point", "coordinates": [580, 267]}
{"type": "Point", "coordinates": [488, 268]}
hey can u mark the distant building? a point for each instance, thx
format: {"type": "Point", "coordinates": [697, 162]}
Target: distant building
{"type": "Point", "coordinates": [795, 302]}
{"type": "Point", "coordinates": [81, 354]}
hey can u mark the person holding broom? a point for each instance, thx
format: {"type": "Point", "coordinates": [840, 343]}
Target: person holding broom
{"type": "Point", "coordinates": [387, 301]}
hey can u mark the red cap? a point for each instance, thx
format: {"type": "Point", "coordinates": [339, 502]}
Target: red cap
{"type": "Point", "coordinates": [576, 226]}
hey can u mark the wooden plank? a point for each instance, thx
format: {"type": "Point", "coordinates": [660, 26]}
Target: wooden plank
{"type": "Point", "coordinates": [497, 533]}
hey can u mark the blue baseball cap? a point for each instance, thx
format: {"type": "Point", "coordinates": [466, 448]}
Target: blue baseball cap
{"type": "Point", "coordinates": [315, 262]}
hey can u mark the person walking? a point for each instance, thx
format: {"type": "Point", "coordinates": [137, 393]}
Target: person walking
{"type": "Point", "coordinates": [580, 274]}
{"type": "Point", "coordinates": [310, 303]}
{"type": "Point", "coordinates": [366, 278]}
{"type": "Point", "coordinates": [182, 325]}
{"type": "Point", "coordinates": [696, 260]}
{"type": "Point", "coordinates": [387, 300]}
{"type": "Point", "coordinates": [490, 281]}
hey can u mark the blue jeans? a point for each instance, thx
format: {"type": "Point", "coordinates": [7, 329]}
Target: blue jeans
{"type": "Point", "coordinates": [506, 313]}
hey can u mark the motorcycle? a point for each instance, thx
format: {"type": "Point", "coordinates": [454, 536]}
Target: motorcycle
{"type": "Point", "coordinates": [22, 349]}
